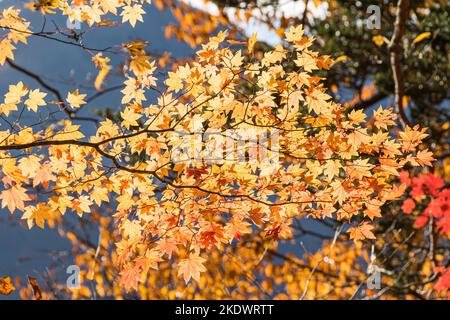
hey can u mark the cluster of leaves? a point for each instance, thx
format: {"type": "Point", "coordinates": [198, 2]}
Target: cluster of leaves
{"type": "Point", "coordinates": [331, 165]}
{"type": "Point", "coordinates": [194, 26]}
{"type": "Point", "coordinates": [364, 52]}
{"type": "Point", "coordinates": [364, 71]}
{"type": "Point", "coordinates": [92, 12]}
{"type": "Point", "coordinates": [429, 204]}
{"type": "Point", "coordinates": [427, 193]}
{"type": "Point", "coordinates": [15, 30]}
{"type": "Point", "coordinates": [252, 268]}
{"type": "Point", "coordinates": [223, 224]}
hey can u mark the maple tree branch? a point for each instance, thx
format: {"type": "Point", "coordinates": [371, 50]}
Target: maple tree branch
{"type": "Point", "coordinates": [37, 78]}
{"type": "Point", "coordinates": [396, 50]}
{"type": "Point", "coordinates": [305, 13]}
{"type": "Point", "coordinates": [47, 35]}
{"type": "Point", "coordinates": [278, 254]}
{"type": "Point", "coordinates": [103, 92]}
{"type": "Point", "coordinates": [116, 163]}
{"type": "Point", "coordinates": [364, 104]}
{"type": "Point", "coordinates": [53, 90]}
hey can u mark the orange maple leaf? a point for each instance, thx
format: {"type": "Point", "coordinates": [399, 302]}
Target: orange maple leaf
{"type": "Point", "coordinates": [361, 232]}
{"type": "Point", "coordinates": [13, 198]}
{"type": "Point", "coordinates": [168, 246]}
{"type": "Point", "coordinates": [191, 267]}
{"type": "Point", "coordinates": [43, 176]}
{"type": "Point", "coordinates": [424, 158]}
{"type": "Point", "coordinates": [6, 286]}
{"type": "Point", "coordinates": [129, 278]}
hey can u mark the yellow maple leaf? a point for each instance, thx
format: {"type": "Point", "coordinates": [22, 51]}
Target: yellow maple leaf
{"type": "Point", "coordinates": [357, 116]}
{"type": "Point", "coordinates": [39, 215]}
{"type": "Point", "coordinates": [15, 93]}
{"type": "Point", "coordinates": [339, 192]}
{"type": "Point", "coordinates": [7, 108]}
{"type": "Point", "coordinates": [130, 118]}
{"type": "Point", "coordinates": [81, 205]}
{"type": "Point", "coordinates": [132, 13]}
{"type": "Point", "coordinates": [131, 230]}
{"type": "Point", "coordinates": [424, 158]}
{"type": "Point", "coordinates": [412, 137]}
{"type": "Point", "coordinates": [332, 168]}
{"type": "Point", "coordinates": [6, 51]}
{"type": "Point", "coordinates": [294, 33]}
{"type": "Point", "coordinates": [44, 175]}
{"type": "Point", "coordinates": [35, 99]}
{"type": "Point", "coordinates": [75, 99]}
{"type": "Point", "coordinates": [29, 166]}
{"type": "Point", "coordinates": [99, 195]}
{"type": "Point", "coordinates": [383, 118]}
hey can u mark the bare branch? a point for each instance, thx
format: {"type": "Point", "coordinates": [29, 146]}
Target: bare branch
{"type": "Point", "coordinates": [53, 90]}
{"type": "Point", "coordinates": [396, 51]}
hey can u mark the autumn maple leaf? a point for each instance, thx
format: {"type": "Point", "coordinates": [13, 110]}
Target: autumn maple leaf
{"type": "Point", "coordinates": [29, 166]}
{"type": "Point", "coordinates": [421, 221]}
{"type": "Point", "coordinates": [43, 176]}
{"type": "Point", "coordinates": [424, 158]}
{"type": "Point", "coordinates": [191, 267]}
{"type": "Point", "coordinates": [39, 215]}
{"type": "Point", "coordinates": [129, 278]}
{"type": "Point", "coordinates": [444, 280]}
{"type": "Point", "coordinates": [81, 205]}
{"type": "Point", "coordinates": [412, 137]}
{"type": "Point", "coordinates": [14, 197]}
{"type": "Point", "coordinates": [15, 93]}
{"type": "Point", "coordinates": [361, 232]}
{"type": "Point", "coordinates": [426, 184]}
{"type": "Point", "coordinates": [132, 14]}
{"type": "Point", "coordinates": [196, 172]}
{"type": "Point", "coordinates": [339, 192]}
{"type": "Point", "coordinates": [383, 118]}
{"type": "Point", "coordinates": [168, 246]}
{"type": "Point", "coordinates": [35, 99]}
{"type": "Point", "coordinates": [357, 116]}
{"type": "Point", "coordinates": [130, 118]}
{"type": "Point", "coordinates": [75, 99]}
